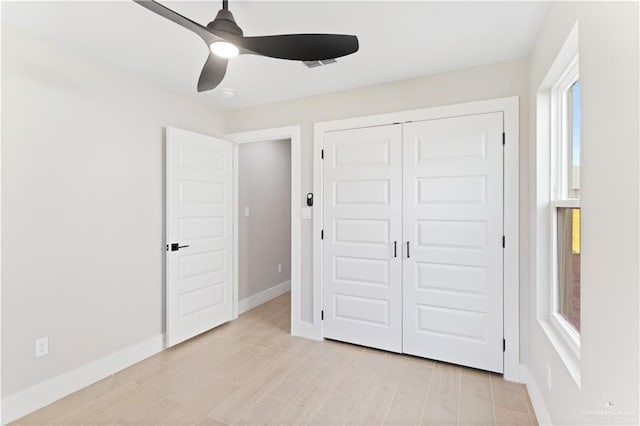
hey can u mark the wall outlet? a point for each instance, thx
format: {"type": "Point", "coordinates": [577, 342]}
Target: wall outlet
{"type": "Point", "coordinates": [280, 267]}
{"type": "Point", "coordinates": [41, 346]}
{"type": "Point", "coordinates": [549, 381]}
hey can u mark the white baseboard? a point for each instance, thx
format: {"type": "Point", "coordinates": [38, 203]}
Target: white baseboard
{"type": "Point", "coordinates": [536, 400]}
{"type": "Point", "coordinates": [29, 400]}
{"type": "Point", "coordinates": [264, 296]}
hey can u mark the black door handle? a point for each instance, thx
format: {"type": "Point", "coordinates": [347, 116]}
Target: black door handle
{"type": "Point", "coordinates": [177, 246]}
{"type": "Point", "coordinates": [408, 250]}
{"type": "Point", "coordinates": [395, 249]}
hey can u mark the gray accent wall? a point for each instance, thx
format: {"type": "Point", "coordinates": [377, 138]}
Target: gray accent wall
{"type": "Point", "coordinates": [264, 237]}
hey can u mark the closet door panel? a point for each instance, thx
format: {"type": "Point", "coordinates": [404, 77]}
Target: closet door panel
{"type": "Point", "coordinates": [362, 294]}
{"type": "Point", "coordinates": [452, 214]}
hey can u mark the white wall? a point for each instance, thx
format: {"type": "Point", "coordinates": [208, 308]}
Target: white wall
{"type": "Point", "coordinates": [83, 208]}
{"type": "Point", "coordinates": [264, 238]}
{"type": "Point", "coordinates": [609, 73]}
{"type": "Point", "coordinates": [486, 82]}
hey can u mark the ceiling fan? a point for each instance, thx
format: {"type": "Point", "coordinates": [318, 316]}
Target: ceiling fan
{"type": "Point", "coordinates": [226, 40]}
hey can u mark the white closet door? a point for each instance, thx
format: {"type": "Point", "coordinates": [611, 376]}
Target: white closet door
{"type": "Point", "coordinates": [199, 240]}
{"type": "Point", "coordinates": [362, 219]}
{"type": "Point", "coordinates": [453, 197]}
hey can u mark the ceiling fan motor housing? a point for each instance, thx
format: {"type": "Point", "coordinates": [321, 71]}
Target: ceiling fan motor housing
{"type": "Point", "coordinates": [225, 23]}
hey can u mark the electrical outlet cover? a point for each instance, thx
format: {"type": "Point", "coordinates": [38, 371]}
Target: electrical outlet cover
{"type": "Point", "coordinates": [41, 347]}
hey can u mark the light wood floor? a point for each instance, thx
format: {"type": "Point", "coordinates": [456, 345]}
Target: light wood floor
{"type": "Point", "coordinates": [251, 371]}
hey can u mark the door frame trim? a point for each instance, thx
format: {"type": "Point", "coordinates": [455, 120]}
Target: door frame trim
{"type": "Point", "coordinates": [293, 134]}
{"type": "Point", "coordinates": [509, 106]}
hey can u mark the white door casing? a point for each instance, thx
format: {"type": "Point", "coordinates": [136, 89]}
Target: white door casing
{"type": "Point", "coordinates": [198, 215]}
{"type": "Point", "coordinates": [362, 218]}
{"type": "Point", "coordinates": [453, 220]}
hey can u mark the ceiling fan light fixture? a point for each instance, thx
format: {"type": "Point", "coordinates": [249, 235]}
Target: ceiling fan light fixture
{"type": "Point", "coordinates": [224, 49]}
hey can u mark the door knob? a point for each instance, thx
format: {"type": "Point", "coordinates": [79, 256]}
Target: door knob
{"type": "Point", "coordinates": [177, 246]}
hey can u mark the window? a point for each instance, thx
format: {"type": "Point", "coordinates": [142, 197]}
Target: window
{"type": "Point", "coordinates": [565, 203]}
{"type": "Point", "coordinates": [558, 217]}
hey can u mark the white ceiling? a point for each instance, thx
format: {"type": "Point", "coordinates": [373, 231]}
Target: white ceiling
{"type": "Point", "coordinates": [398, 40]}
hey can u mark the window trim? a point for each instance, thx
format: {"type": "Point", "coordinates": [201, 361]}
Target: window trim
{"type": "Point", "coordinates": [548, 198]}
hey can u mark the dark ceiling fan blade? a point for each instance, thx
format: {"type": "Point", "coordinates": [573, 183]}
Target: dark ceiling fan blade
{"type": "Point", "coordinates": [300, 47]}
{"type": "Point", "coordinates": [187, 23]}
{"type": "Point", "coordinates": [212, 73]}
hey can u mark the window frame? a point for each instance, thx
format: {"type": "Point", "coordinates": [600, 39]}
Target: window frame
{"type": "Point", "coordinates": [560, 180]}
{"type": "Point", "coordinates": [544, 200]}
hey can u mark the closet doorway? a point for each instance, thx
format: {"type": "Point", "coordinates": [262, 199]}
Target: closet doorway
{"type": "Point", "coordinates": [413, 236]}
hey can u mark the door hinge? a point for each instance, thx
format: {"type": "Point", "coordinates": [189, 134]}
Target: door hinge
{"type": "Point", "coordinates": [322, 234]}
{"type": "Point", "coordinates": [504, 241]}
{"type": "Point", "coordinates": [167, 247]}
{"type": "Point", "coordinates": [504, 345]}
{"type": "Point", "coordinates": [322, 315]}
{"type": "Point", "coordinates": [504, 138]}
{"type": "Point", "coordinates": [322, 154]}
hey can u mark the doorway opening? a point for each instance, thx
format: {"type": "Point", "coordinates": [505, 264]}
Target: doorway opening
{"type": "Point", "coordinates": [263, 219]}
{"type": "Point", "coordinates": [292, 135]}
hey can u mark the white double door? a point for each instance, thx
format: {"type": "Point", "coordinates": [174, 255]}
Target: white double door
{"type": "Point", "coordinates": [412, 246]}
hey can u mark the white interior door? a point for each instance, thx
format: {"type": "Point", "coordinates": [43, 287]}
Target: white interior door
{"type": "Point", "coordinates": [199, 234]}
{"type": "Point", "coordinates": [453, 208]}
{"type": "Point", "coordinates": [362, 293]}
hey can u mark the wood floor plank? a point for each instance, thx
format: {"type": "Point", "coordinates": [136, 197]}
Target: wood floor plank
{"type": "Point", "coordinates": [74, 402]}
{"type": "Point", "coordinates": [259, 361]}
{"type": "Point", "coordinates": [475, 401]}
{"type": "Point", "coordinates": [509, 395]}
{"type": "Point", "coordinates": [204, 394]}
{"type": "Point", "coordinates": [441, 407]}
{"type": "Point", "coordinates": [117, 412]}
{"type": "Point", "coordinates": [313, 395]}
{"type": "Point", "coordinates": [504, 416]}
{"type": "Point", "coordinates": [406, 408]}
{"type": "Point", "coordinates": [348, 392]}
{"type": "Point", "coordinates": [322, 419]}
{"type": "Point", "coordinates": [262, 413]}
{"type": "Point", "coordinates": [240, 402]}
{"type": "Point", "coordinates": [152, 414]}
{"type": "Point", "coordinates": [93, 409]}
{"type": "Point", "coordinates": [376, 400]}
{"type": "Point", "coordinates": [302, 374]}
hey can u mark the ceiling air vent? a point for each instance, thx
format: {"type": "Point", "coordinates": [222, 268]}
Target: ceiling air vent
{"type": "Point", "coordinates": [316, 64]}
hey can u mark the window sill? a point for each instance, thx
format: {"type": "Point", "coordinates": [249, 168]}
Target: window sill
{"type": "Point", "coordinates": [567, 351]}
